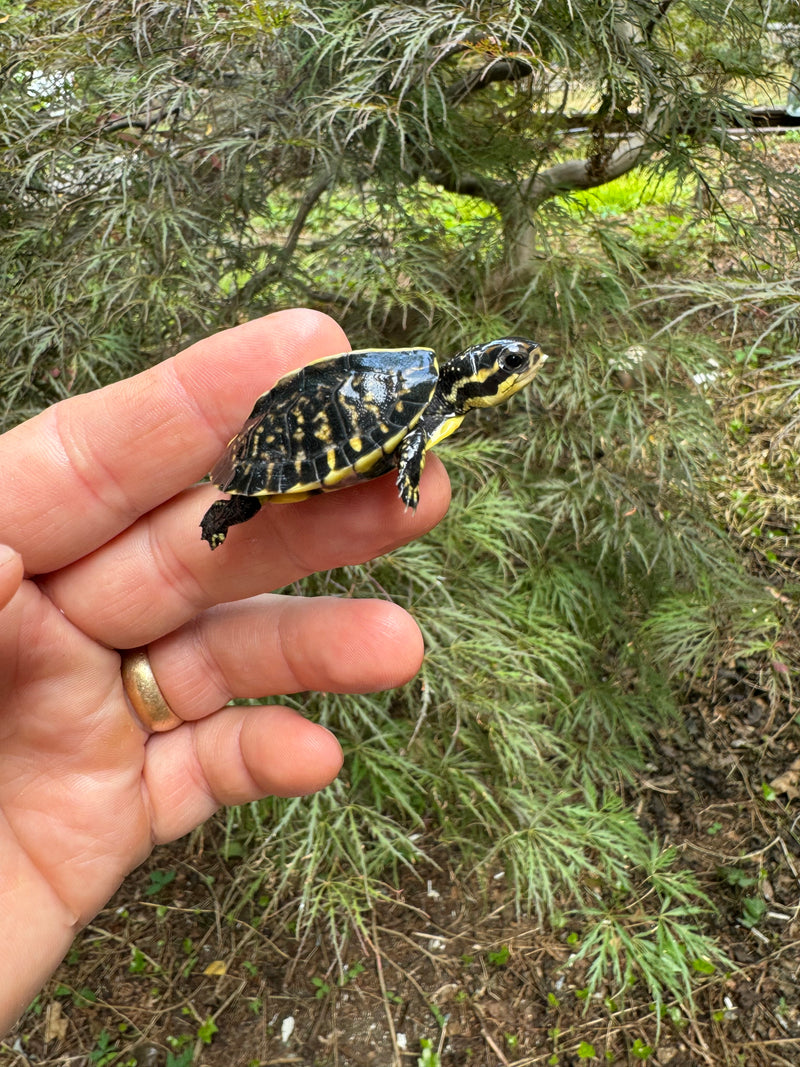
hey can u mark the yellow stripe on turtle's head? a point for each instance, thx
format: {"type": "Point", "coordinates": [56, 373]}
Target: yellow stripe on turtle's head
{"type": "Point", "coordinates": [487, 374]}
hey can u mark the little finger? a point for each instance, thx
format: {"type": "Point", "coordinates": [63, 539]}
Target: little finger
{"type": "Point", "coordinates": [234, 757]}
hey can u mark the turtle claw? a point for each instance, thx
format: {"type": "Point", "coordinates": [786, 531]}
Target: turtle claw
{"type": "Point", "coordinates": [409, 492]}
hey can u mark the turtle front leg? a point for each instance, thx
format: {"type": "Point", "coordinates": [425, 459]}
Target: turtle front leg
{"type": "Point", "coordinates": [410, 461]}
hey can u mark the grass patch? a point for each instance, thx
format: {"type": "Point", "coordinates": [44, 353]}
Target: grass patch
{"type": "Point", "coordinates": [637, 191]}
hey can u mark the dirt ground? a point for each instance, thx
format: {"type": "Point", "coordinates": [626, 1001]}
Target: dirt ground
{"type": "Point", "coordinates": [165, 977]}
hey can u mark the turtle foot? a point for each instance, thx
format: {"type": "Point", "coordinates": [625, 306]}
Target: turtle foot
{"type": "Point", "coordinates": [409, 492]}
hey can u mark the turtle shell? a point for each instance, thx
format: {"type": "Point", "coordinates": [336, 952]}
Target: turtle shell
{"type": "Point", "coordinates": [328, 423]}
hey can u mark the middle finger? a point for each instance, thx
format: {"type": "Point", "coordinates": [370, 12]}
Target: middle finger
{"type": "Point", "coordinates": [271, 644]}
{"type": "Point", "coordinates": [158, 574]}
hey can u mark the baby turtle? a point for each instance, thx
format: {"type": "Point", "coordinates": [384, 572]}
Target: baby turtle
{"type": "Point", "coordinates": [345, 418]}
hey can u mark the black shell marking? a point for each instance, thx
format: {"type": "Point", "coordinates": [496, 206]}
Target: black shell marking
{"type": "Point", "coordinates": [329, 422]}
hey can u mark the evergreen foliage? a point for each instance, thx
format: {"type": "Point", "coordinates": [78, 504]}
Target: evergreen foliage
{"type": "Point", "coordinates": [160, 158]}
{"type": "Point", "coordinates": [169, 169]}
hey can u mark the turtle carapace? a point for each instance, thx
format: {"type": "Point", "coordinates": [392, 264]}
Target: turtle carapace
{"type": "Point", "coordinates": [345, 418]}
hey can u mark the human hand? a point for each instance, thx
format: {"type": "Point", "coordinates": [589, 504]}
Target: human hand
{"type": "Point", "coordinates": [94, 502]}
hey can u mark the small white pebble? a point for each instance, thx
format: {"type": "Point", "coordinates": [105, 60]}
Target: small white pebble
{"type": "Point", "coordinates": [635, 353]}
{"type": "Point", "coordinates": [402, 1042]}
{"type": "Point", "coordinates": [287, 1029]}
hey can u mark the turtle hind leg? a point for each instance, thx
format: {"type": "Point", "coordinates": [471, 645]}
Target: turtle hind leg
{"type": "Point", "coordinates": [225, 513]}
{"type": "Point", "coordinates": [410, 461]}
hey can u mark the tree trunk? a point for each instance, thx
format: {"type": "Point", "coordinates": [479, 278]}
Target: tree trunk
{"type": "Point", "coordinates": [519, 205]}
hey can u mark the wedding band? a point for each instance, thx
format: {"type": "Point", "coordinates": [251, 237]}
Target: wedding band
{"type": "Point", "coordinates": [144, 694]}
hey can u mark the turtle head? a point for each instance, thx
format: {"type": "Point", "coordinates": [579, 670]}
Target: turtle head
{"type": "Point", "coordinates": [487, 374]}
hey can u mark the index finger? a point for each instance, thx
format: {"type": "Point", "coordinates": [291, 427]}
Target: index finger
{"type": "Point", "coordinates": [86, 468]}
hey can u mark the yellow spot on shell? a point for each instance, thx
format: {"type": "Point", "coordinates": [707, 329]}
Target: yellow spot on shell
{"type": "Point", "coordinates": [289, 498]}
{"type": "Point", "coordinates": [364, 463]}
{"type": "Point", "coordinates": [337, 478]}
{"type": "Point", "coordinates": [356, 444]}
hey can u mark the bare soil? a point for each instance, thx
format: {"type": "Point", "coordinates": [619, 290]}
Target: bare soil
{"type": "Point", "coordinates": [166, 978]}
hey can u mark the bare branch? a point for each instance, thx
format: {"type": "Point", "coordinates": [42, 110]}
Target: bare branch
{"type": "Point", "coordinates": [263, 278]}
{"type": "Point", "coordinates": [470, 184]}
{"type": "Point", "coordinates": [661, 12]}
{"type": "Point", "coordinates": [585, 173]}
{"type": "Point", "coordinates": [501, 70]}
{"type": "Point", "coordinates": [145, 122]}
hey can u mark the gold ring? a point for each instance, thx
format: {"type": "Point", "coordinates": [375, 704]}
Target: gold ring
{"type": "Point", "coordinates": [144, 694]}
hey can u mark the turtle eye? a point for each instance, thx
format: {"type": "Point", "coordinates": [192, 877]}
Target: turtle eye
{"type": "Point", "coordinates": [513, 359]}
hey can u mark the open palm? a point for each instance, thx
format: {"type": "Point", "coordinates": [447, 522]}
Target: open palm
{"type": "Point", "coordinates": [96, 506]}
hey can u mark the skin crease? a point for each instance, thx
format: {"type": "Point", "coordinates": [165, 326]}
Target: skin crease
{"type": "Point", "coordinates": [96, 505]}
